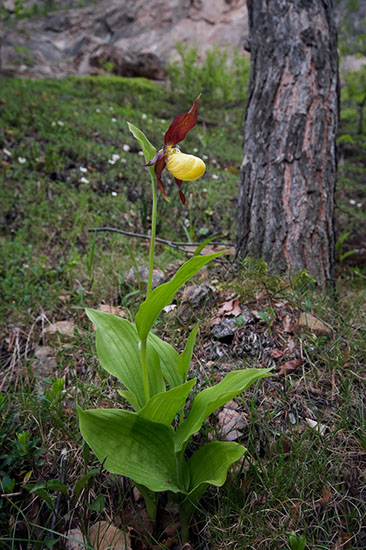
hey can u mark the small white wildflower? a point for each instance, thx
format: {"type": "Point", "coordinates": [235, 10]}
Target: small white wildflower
{"type": "Point", "coordinates": [97, 110]}
{"type": "Point", "coordinates": [60, 123]}
{"type": "Point", "coordinates": [215, 177]}
{"type": "Point", "coordinates": [115, 157]}
{"type": "Point", "coordinates": [22, 160]}
{"type": "Point", "coordinates": [83, 169]}
{"type": "Point", "coordinates": [124, 161]}
{"type": "Point", "coordinates": [7, 153]}
{"type": "Point", "coordinates": [84, 180]}
{"type": "Point", "coordinates": [126, 148]}
{"type": "Point", "coordinates": [141, 153]}
{"type": "Point", "coordinates": [352, 201]}
{"type": "Point", "coordinates": [143, 116]}
{"type": "Point", "coordinates": [114, 194]}
{"type": "Point", "coordinates": [163, 121]}
{"type": "Point", "coordinates": [205, 157]}
{"type": "Point", "coordinates": [195, 150]}
{"type": "Point", "coordinates": [111, 161]}
{"type": "Point", "coordinates": [169, 308]}
{"type": "Point", "coordinates": [114, 120]}
{"type": "Point", "coordinates": [111, 109]}
{"type": "Point", "coordinates": [359, 204]}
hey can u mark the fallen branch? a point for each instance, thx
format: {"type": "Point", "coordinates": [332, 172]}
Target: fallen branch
{"type": "Point", "coordinates": [173, 244]}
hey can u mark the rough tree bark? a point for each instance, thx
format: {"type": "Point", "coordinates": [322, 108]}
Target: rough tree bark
{"type": "Point", "coordinates": [288, 174]}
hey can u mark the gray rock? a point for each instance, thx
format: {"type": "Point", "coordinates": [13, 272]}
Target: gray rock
{"type": "Point", "coordinates": [144, 37]}
{"type": "Point", "coordinates": [157, 278]}
{"type": "Point", "coordinates": [194, 298]}
{"type": "Point", "coordinates": [44, 366]}
{"type": "Point", "coordinates": [225, 330]}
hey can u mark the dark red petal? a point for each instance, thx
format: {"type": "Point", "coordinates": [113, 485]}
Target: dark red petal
{"type": "Point", "coordinates": [159, 167]}
{"type": "Point", "coordinates": [179, 184]}
{"type": "Point", "coordinates": [181, 125]}
{"type": "Point", "coordinates": [157, 157]}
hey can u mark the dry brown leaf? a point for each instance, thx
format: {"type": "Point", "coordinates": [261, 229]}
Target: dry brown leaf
{"type": "Point", "coordinates": [64, 297]}
{"type": "Point", "coordinates": [105, 536]}
{"type": "Point", "coordinates": [112, 309]}
{"type": "Point", "coordinates": [309, 322]}
{"type": "Point", "coordinates": [326, 496]}
{"type": "Point", "coordinates": [74, 540]}
{"type": "Point", "coordinates": [229, 422]}
{"type": "Point", "coordinates": [289, 366]}
{"type": "Point", "coordinates": [277, 353]}
{"type": "Point", "coordinates": [287, 323]}
{"type": "Point", "coordinates": [231, 307]}
{"type": "Point", "coordinates": [320, 428]}
{"type": "Point", "coordinates": [66, 328]}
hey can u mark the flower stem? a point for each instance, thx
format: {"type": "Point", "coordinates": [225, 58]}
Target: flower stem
{"type": "Point", "coordinates": [145, 379]}
{"type": "Point", "coordinates": [153, 233]}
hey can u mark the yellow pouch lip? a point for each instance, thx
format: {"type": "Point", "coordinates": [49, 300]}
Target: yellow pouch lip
{"type": "Point", "coordinates": [185, 167]}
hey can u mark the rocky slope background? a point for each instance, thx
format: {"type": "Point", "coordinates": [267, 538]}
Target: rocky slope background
{"type": "Point", "coordinates": [40, 38]}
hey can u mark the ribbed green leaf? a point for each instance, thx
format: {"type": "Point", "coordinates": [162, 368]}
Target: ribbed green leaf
{"type": "Point", "coordinates": [184, 360]}
{"type": "Point", "coordinates": [164, 406]}
{"type": "Point", "coordinates": [131, 398]}
{"type": "Point", "coordinates": [147, 148]}
{"type": "Point", "coordinates": [150, 309]}
{"type": "Point", "coordinates": [118, 351]}
{"type": "Point", "coordinates": [168, 360]}
{"type": "Point", "coordinates": [130, 445]}
{"type": "Point", "coordinates": [212, 398]}
{"type": "Point", "coordinates": [209, 465]}
{"type": "Point", "coordinates": [156, 380]}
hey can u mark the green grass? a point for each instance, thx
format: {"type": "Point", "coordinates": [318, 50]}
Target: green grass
{"type": "Point", "coordinates": [51, 268]}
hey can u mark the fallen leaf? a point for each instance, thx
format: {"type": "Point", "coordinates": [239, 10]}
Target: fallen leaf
{"type": "Point", "coordinates": [65, 328]}
{"type": "Point", "coordinates": [277, 353]}
{"type": "Point", "coordinates": [64, 297]}
{"type": "Point", "coordinates": [106, 536]}
{"type": "Point", "coordinates": [231, 307]}
{"type": "Point", "coordinates": [112, 309]}
{"type": "Point", "coordinates": [289, 366]}
{"type": "Point", "coordinates": [229, 423]}
{"type": "Point", "coordinates": [74, 540]}
{"type": "Point", "coordinates": [287, 322]}
{"type": "Point", "coordinates": [320, 428]}
{"type": "Point", "coordinates": [309, 322]}
{"type": "Point", "coordinates": [326, 496]}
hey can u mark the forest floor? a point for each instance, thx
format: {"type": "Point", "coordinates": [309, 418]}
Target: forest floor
{"type": "Point", "coordinates": [69, 164]}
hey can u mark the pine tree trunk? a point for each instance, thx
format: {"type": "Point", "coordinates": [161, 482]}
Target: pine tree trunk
{"type": "Point", "coordinates": [288, 174]}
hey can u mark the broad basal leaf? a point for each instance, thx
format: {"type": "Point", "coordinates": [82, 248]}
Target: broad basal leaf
{"type": "Point", "coordinates": [209, 465]}
{"type": "Point", "coordinates": [212, 398]}
{"type": "Point", "coordinates": [130, 445]}
{"type": "Point", "coordinates": [150, 309]}
{"type": "Point", "coordinates": [164, 406]}
{"type": "Point", "coordinates": [118, 351]}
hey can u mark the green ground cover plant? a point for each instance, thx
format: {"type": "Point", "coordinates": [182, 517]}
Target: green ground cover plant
{"type": "Point", "coordinates": [70, 164]}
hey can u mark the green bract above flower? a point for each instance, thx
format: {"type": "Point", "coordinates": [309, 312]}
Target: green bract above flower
{"type": "Point", "coordinates": [182, 166]}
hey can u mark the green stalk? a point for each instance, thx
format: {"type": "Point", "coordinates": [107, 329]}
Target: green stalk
{"type": "Point", "coordinates": [145, 379]}
{"type": "Point", "coordinates": [153, 233]}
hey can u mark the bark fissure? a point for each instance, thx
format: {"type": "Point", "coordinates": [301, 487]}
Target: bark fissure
{"type": "Point", "coordinates": [286, 194]}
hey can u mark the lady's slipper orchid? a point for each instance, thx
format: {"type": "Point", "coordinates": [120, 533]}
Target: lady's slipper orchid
{"type": "Point", "coordinates": [182, 166]}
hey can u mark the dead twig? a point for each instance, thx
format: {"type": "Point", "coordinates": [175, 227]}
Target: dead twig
{"type": "Point", "coordinates": [173, 244]}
